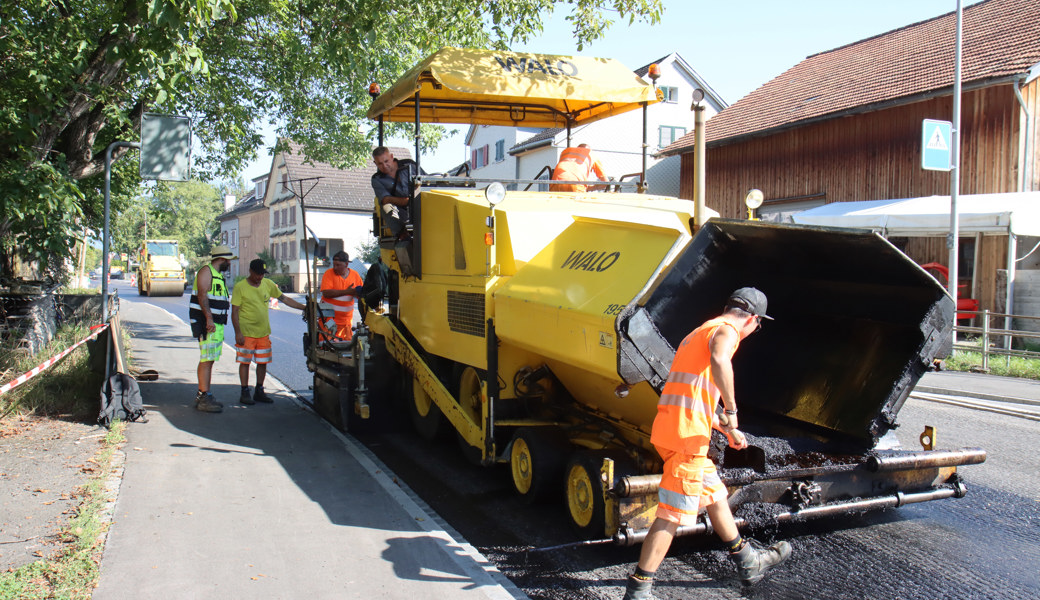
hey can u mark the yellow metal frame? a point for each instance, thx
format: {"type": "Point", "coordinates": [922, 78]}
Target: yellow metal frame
{"type": "Point", "coordinates": [409, 358]}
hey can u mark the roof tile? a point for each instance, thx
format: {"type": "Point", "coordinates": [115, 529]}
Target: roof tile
{"type": "Point", "coordinates": [345, 189]}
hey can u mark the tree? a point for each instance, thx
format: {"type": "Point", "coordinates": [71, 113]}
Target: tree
{"type": "Point", "coordinates": [78, 75]}
{"type": "Point", "coordinates": [185, 212]}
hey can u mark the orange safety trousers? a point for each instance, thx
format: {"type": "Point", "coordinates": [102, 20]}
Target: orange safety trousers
{"type": "Point", "coordinates": [256, 350]}
{"type": "Point", "coordinates": [688, 484]}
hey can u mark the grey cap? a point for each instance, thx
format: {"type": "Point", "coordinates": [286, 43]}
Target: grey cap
{"type": "Point", "coordinates": [750, 300]}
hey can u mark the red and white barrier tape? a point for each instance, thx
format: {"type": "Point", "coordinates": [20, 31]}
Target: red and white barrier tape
{"type": "Point", "coordinates": [96, 329]}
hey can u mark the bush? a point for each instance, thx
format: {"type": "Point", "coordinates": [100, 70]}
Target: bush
{"type": "Point", "coordinates": [284, 282]}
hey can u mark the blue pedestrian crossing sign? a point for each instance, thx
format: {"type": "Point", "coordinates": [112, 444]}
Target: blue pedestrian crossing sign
{"type": "Point", "coordinates": [936, 144]}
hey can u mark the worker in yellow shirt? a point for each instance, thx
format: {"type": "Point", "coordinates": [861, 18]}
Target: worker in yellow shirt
{"type": "Point", "coordinates": [253, 327]}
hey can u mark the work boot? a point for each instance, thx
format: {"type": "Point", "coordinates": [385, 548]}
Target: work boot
{"type": "Point", "coordinates": [205, 402]}
{"type": "Point", "coordinates": [260, 396]}
{"type": "Point", "coordinates": [245, 398]}
{"type": "Point", "coordinates": [638, 589]}
{"type": "Point", "coordinates": [753, 561]}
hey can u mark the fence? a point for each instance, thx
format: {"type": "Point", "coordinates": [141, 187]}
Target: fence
{"type": "Point", "coordinates": [995, 340]}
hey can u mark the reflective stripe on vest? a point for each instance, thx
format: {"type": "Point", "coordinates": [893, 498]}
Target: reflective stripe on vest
{"type": "Point", "coordinates": [219, 303]}
{"type": "Point", "coordinates": [337, 305]}
{"type": "Point", "coordinates": [689, 397]}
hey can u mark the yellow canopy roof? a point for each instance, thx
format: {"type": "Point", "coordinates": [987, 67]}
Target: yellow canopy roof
{"type": "Point", "coordinates": [489, 87]}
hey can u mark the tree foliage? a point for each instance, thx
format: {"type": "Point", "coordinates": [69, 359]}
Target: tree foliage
{"type": "Point", "coordinates": [185, 212]}
{"type": "Point", "coordinates": [79, 74]}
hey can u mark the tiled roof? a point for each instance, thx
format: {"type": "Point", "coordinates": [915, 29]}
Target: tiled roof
{"type": "Point", "coordinates": [345, 189]}
{"type": "Point", "coordinates": [541, 136]}
{"type": "Point", "coordinates": [1001, 40]}
{"type": "Point", "coordinates": [247, 202]}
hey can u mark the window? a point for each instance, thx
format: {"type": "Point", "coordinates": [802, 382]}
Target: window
{"type": "Point", "coordinates": [284, 220]}
{"type": "Point", "coordinates": [500, 150]}
{"type": "Point", "coordinates": [223, 238]}
{"type": "Point", "coordinates": [292, 251]}
{"type": "Point", "coordinates": [292, 215]}
{"type": "Point", "coordinates": [274, 250]}
{"type": "Point", "coordinates": [668, 134]}
{"type": "Point", "coordinates": [275, 222]}
{"type": "Point", "coordinates": [671, 94]}
{"type": "Point", "coordinates": [480, 157]}
{"type": "Point", "coordinates": [285, 182]}
{"type": "Point", "coordinates": [261, 187]}
{"type": "Point", "coordinates": [285, 251]}
{"type": "Point", "coordinates": [234, 238]}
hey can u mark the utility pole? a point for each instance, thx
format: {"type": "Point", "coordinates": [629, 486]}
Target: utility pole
{"type": "Point", "coordinates": [955, 168]}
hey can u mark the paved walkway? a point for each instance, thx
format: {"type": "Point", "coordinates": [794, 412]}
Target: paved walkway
{"type": "Point", "coordinates": [265, 501]}
{"type": "Point", "coordinates": [983, 387]}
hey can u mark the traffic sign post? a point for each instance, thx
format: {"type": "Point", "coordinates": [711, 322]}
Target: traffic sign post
{"type": "Point", "coordinates": [936, 145]}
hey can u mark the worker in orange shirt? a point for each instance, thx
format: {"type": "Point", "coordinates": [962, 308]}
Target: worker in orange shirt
{"type": "Point", "coordinates": [701, 376]}
{"type": "Point", "coordinates": [577, 164]}
{"type": "Point", "coordinates": [340, 287]}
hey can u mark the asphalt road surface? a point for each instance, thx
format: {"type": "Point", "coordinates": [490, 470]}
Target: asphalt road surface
{"type": "Point", "coordinates": [982, 546]}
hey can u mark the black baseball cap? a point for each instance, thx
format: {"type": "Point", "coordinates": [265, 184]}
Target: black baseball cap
{"type": "Point", "coordinates": [750, 300]}
{"type": "Point", "coordinates": [258, 266]}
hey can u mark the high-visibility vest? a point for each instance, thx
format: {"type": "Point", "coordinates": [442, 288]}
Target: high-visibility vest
{"type": "Point", "coordinates": [577, 164]}
{"type": "Point", "coordinates": [219, 303]}
{"type": "Point", "coordinates": [690, 396]}
{"type": "Point", "coordinates": [338, 311]}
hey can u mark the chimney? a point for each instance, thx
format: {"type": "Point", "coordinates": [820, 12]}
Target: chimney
{"type": "Point", "coordinates": [229, 201]}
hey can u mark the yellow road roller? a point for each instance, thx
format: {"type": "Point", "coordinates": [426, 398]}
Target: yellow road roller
{"type": "Point", "coordinates": [160, 273]}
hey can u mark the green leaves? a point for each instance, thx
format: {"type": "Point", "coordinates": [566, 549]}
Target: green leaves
{"type": "Point", "coordinates": [74, 83]}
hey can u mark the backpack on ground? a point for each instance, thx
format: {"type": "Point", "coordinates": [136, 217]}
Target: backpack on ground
{"type": "Point", "coordinates": [121, 399]}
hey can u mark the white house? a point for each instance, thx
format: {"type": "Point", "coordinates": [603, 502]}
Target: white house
{"type": "Point", "coordinates": [519, 153]}
{"type": "Point", "coordinates": [230, 228]}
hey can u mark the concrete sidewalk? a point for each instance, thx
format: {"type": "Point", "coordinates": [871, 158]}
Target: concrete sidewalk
{"type": "Point", "coordinates": [265, 501]}
{"type": "Point", "coordinates": [981, 386]}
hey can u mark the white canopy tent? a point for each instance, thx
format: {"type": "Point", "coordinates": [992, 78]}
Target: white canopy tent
{"type": "Point", "coordinates": [1012, 214]}
{"type": "Point", "coordinates": [1018, 214]}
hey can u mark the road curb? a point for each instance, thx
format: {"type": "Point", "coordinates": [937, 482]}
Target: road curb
{"type": "Point", "coordinates": [976, 395]}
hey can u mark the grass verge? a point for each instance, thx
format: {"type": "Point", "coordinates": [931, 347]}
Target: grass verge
{"type": "Point", "coordinates": [73, 573]}
{"type": "Point", "coordinates": [49, 392]}
{"type": "Point", "coordinates": [1017, 366]}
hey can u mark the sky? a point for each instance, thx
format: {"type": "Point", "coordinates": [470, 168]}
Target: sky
{"type": "Point", "coordinates": [735, 46]}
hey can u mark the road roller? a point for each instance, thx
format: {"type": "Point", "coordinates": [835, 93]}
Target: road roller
{"type": "Point", "coordinates": [160, 272]}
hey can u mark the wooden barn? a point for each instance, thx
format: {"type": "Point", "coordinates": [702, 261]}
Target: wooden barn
{"type": "Point", "coordinates": [845, 125]}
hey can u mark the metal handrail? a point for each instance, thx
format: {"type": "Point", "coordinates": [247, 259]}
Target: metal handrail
{"type": "Point", "coordinates": [430, 179]}
{"type": "Point", "coordinates": [987, 333]}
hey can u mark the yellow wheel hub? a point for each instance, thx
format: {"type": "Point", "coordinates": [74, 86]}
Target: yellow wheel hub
{"type": "Point", "coordinates": [520, 461]}
{"type": "Point", "coordinates": [422, 400]}
{"type": "Point", "coordinates": [470, 394]}
{"type": "Point", "coordinates": [580, 500]}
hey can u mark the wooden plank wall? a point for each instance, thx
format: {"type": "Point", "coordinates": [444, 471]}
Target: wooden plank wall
{"type": "Point", "coordinates": [1031, 95]}
{"type": "Point", "coordinates": [872, 156]}
{"type": "Point", "coordinates": [877, 156]}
